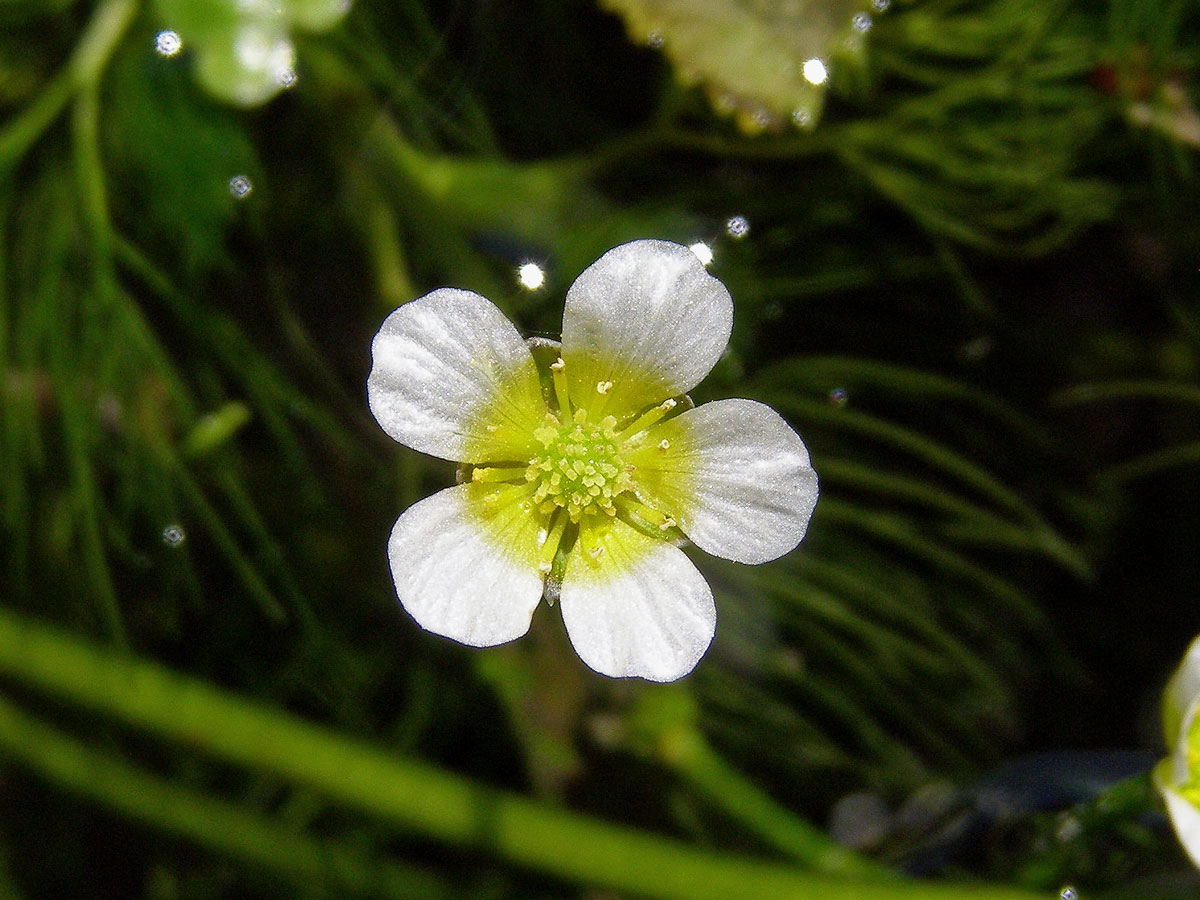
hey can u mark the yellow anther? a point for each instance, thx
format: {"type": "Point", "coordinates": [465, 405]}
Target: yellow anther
{"type": "Point", "coordinates": [664, 444]}
{"type": "Point", "coordinates": [603, 387]}
{"type": "Point", "coordinates": [596, 552]}
{"type": "Point", "coordinates": [666, 524]}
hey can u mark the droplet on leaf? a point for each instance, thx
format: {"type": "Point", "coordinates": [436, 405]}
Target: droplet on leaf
{"type": "Point", "coordinates": [815, 72]}
{"type": "Point", "coordinates": [167, 43]}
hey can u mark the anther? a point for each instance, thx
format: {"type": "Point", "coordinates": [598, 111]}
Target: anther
{"type": "Point", "coordinates": [664, 444]}
{"type": "Point", "coordinates": [603, 387]}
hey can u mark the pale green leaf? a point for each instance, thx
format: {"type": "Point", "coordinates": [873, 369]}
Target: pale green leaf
{"type": "Point", "coordinates": [751, 57]}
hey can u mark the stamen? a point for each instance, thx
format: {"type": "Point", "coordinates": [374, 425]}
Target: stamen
{"type": "Point", "coordinates": [587, 543]}
{"type": "Point", "coordinates": [643, 518]}
{"type": "Point", "coordinates": [603, 387]}
{"type": "Point", "coordinates": [646, 419]}
{"type": "Point", "coordinates": [550, 545]}
{"type": "Point", "coordinates": [498, 473]}
{"type": "Point", "coordinates": [664, 444]}
{"type": "Point", "coordinates": [558, 369]}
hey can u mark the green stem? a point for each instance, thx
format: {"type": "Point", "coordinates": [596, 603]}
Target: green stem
{"type": "Point", "coordinates": [415, 796]}
{"type": "Point", "coordinates": [694, 758]}
{"type": "Point", "coordinates": [105, 30]}
{"type": "Point", "coordinates": [221, 826]}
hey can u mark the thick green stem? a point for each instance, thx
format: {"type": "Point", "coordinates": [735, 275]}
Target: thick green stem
{"type": "Point", "coordinates": [416, 796]}
{"type": "Point", "coordinates": [220, 826]}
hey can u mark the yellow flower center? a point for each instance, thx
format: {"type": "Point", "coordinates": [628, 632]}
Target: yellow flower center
{"type": "Point", "coordinates": [580, 467]}
{"type": "Point", "coordinates": [575, 482]}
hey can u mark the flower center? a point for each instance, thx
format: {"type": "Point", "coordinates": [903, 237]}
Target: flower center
{"type": "Point", "coordinates": [579, 468]}
{"type": "Point", "coordinates": [576, 477]}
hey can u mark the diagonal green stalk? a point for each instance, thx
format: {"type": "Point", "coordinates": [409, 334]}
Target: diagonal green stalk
{"type": "Point", "coordinates": [415, 796]}
{"type": "Point", "coordinates": [223, 827]}
{"type": "Point", "coordinates": [735, 794]}
{"type": "Point", "coordinates": [105, 30]}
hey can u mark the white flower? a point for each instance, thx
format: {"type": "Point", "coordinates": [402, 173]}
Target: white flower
{"type": "Point", "coordinates": [582, 476]}
{"type": "Point", "coordinates": [1178, 776]}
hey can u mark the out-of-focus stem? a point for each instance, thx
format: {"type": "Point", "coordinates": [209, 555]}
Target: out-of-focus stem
{"type": "Point", "coordinates": [216, 824]}
{"type": "Point", "coordinates": [418, 797]}
{"type": "Point", "coordinates": [105, 30]}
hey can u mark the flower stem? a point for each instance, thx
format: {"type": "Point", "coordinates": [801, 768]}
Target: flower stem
{"type": "Point", "coordinates": [414, 796]}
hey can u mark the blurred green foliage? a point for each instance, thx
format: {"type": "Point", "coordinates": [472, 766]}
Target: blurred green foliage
{"type": "Point", "coordinates": [970, 284]}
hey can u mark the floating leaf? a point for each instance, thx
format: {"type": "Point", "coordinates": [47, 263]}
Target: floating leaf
{"type": "Point", "coordinates": [765, 61]}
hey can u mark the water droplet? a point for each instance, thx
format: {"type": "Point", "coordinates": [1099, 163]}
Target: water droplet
{"type": "Point", "coordinates": [862, 21]}
{"type": "Point", "coordinates": [167, 43]}
{"type": "Point", "coordinates": [1068, 893]}
{"type": "Point", "coordinates": [240, 187]}
{"type": "Point", "coordinates": [839, 397]}
{"type": "Point", "coordinates": [655, 39]}
{"type": "Point", "coordinates": [881, 5]}
{"type": "Point", "coordinates": [173, 535]}
{"type": "Point", "coordinates": [737, 227]}
{"type": "Point", "coordinates": [531, 276]}
{"type": "Point", "coordinates": [802, 117]}
{"type": "Point", "coordinates": [815, 72]}
{"type": "Point", "coordinates": [703, 252]}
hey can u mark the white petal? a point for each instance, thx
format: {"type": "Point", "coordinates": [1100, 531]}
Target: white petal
{"type": "Point", "coordinates": [1182, 695]}
{"type": "Point", "coordinates": [647, 317]}
{"type": "Point", "coordinates": [735, 476]}
{"type": "Point", "coordinates": [466, 569]}
{"type": "Point", "coordinates": [452, 377]}
{"type": "Point", "coordinates": [1184, 816]}
{"type": "Point", "coordinates": [642, 609]}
